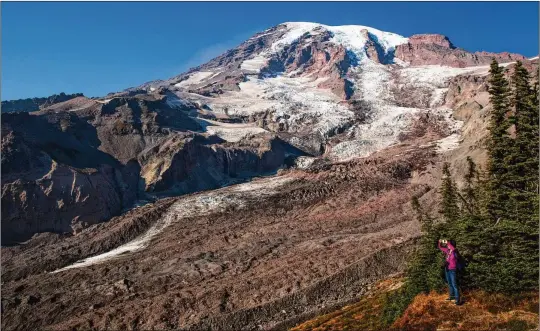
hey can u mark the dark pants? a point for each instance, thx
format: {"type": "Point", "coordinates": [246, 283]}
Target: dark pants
{"type": "Point", "coordinates": [451, 279]}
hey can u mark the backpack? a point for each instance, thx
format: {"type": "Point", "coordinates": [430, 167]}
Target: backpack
{"type": "Point", "coordinates": [461, 263]}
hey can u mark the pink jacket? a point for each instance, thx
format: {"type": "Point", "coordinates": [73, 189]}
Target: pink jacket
{"type": "Point", "coordinates": [450, 256]}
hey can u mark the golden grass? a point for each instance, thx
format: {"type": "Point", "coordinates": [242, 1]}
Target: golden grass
{"type": "Point", "coordinates": [363, 315]}
{"type": "Point", "coordinates": [480, 312]}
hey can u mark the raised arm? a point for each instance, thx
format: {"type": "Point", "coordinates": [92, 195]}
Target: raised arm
{"type": "Point", "coordinates": [444, 249]}
{"type": "Point", "coordinates": [450, 246]}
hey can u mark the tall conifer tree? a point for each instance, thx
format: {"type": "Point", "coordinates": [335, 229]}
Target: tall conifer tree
{"type": "Point", "coordinates": [519, 233]}
{"type": "Point", "coordinates": [449, 206]}
{"type": "Point", "coordinates": [498, 143]}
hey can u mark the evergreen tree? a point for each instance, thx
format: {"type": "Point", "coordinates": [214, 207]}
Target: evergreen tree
{"type": "Point", "coordinates": [470, 196]}
{"type": "Point", "coordinates": [523, 159]}
{"type": "Point", "coordinates": [424, 270]}
{"type": "Point", "coordinates": [471, 231]}
{"type": "Point", "coordinates": [498, 143]}
{"type": "Point", "coordinates": [518, 232]}
{"type": "Point", "coordinates": [507, 259]}
{"type": "Point", "coordinates": [449, 207]}
{"type": "Point", "coordinates": [497, 227]}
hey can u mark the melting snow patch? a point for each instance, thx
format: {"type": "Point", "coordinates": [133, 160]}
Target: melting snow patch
{"type": "Point", "coordinates": [261, 35]}
{"type": "Point", "coordinates": [105, 101]}
{"type": "Point", "coordinates": [449, 143]}
{"type": "Point", "coordinates": [452, 141]}
{"type": "Point", "coordinates": [195, 78]}
{"type": "Point", "coordinates": [255, 64]}
{"type": "Point", "coordinates": [437, 98]}
{"type": "Point", "coordinates": [303, 162]}
{"type": "Point", "coordinates": [231, 132]}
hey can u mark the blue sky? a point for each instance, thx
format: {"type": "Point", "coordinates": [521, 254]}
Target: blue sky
{"type": "Point", "coordinates": [102, 47]}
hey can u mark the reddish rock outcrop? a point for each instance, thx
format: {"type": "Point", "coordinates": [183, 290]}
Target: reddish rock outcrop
{"type": "Point", "coordinates": [435, 49]}
{"type": "Point", "coordinates": [436, 39]}
{"type": "Point", "coordinates": [316, 56]}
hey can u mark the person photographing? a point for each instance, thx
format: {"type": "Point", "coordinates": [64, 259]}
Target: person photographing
{"type": "Point", "coordinates": [451, 268]}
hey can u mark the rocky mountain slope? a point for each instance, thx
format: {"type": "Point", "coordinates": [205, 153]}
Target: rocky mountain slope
{"type": "Point", "coordinates": [82, 161]}
{"type": "Point", "coordinates": [34, 104]}
{"type": "Point", "coordinates": [348, 122]}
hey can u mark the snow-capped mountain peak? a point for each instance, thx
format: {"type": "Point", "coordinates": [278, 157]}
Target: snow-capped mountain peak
{"type": "Point", "coordinates": [311, 82]}
{"type": "Point", "coordinates": [351, 37]}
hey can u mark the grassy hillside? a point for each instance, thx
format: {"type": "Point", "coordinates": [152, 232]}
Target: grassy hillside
{"type": "Point", "coordinates": [480, 312]}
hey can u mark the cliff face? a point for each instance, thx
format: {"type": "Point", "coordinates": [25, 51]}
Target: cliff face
{"type": "Point", "coordinates": [57, 180]}
{"type": "Point", "coordinates": [435, 49]}
{"type": "Point", "coordinates": [194, 164]}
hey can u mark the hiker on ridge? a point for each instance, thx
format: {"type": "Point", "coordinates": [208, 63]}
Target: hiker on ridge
{"type": "Point", "coordinates": [451, 268]}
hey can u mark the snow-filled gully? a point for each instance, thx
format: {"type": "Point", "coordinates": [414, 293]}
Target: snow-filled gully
{"type": "Point", "coordinates": [198, 204]}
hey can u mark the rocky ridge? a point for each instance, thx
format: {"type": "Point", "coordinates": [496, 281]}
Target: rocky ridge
{"type": "Point", "coordinates": [33, 104]}
{"type": "Point", "coordinates": [434, 49]}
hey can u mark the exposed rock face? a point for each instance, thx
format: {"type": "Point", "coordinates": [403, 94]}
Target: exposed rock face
{"type": "Point", "coordinates": [373, 49]}
{"type": "Point", "coordinates": [434, 49]}
{"type": "Point", "coordinates": [474, 88]}
{"type": "Point", "coordinates": [314, 55]}
{"type": "Point", "coordinates": [191, 164]}
{"type": "Point", "coordinates": [310, 53]}
{"type": "Point", "coordinates": [467, 87]}
{"type": "Point", "coordinates": [436, 39]}
{"type": "Point", "coordinates": [56, 180]}
{"type": "Point", "coordinates": [34, 104]}
{"type": "Point", "coordinates": [83, 161]}
{"type": "Point", "coordinates": [124, 126]}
